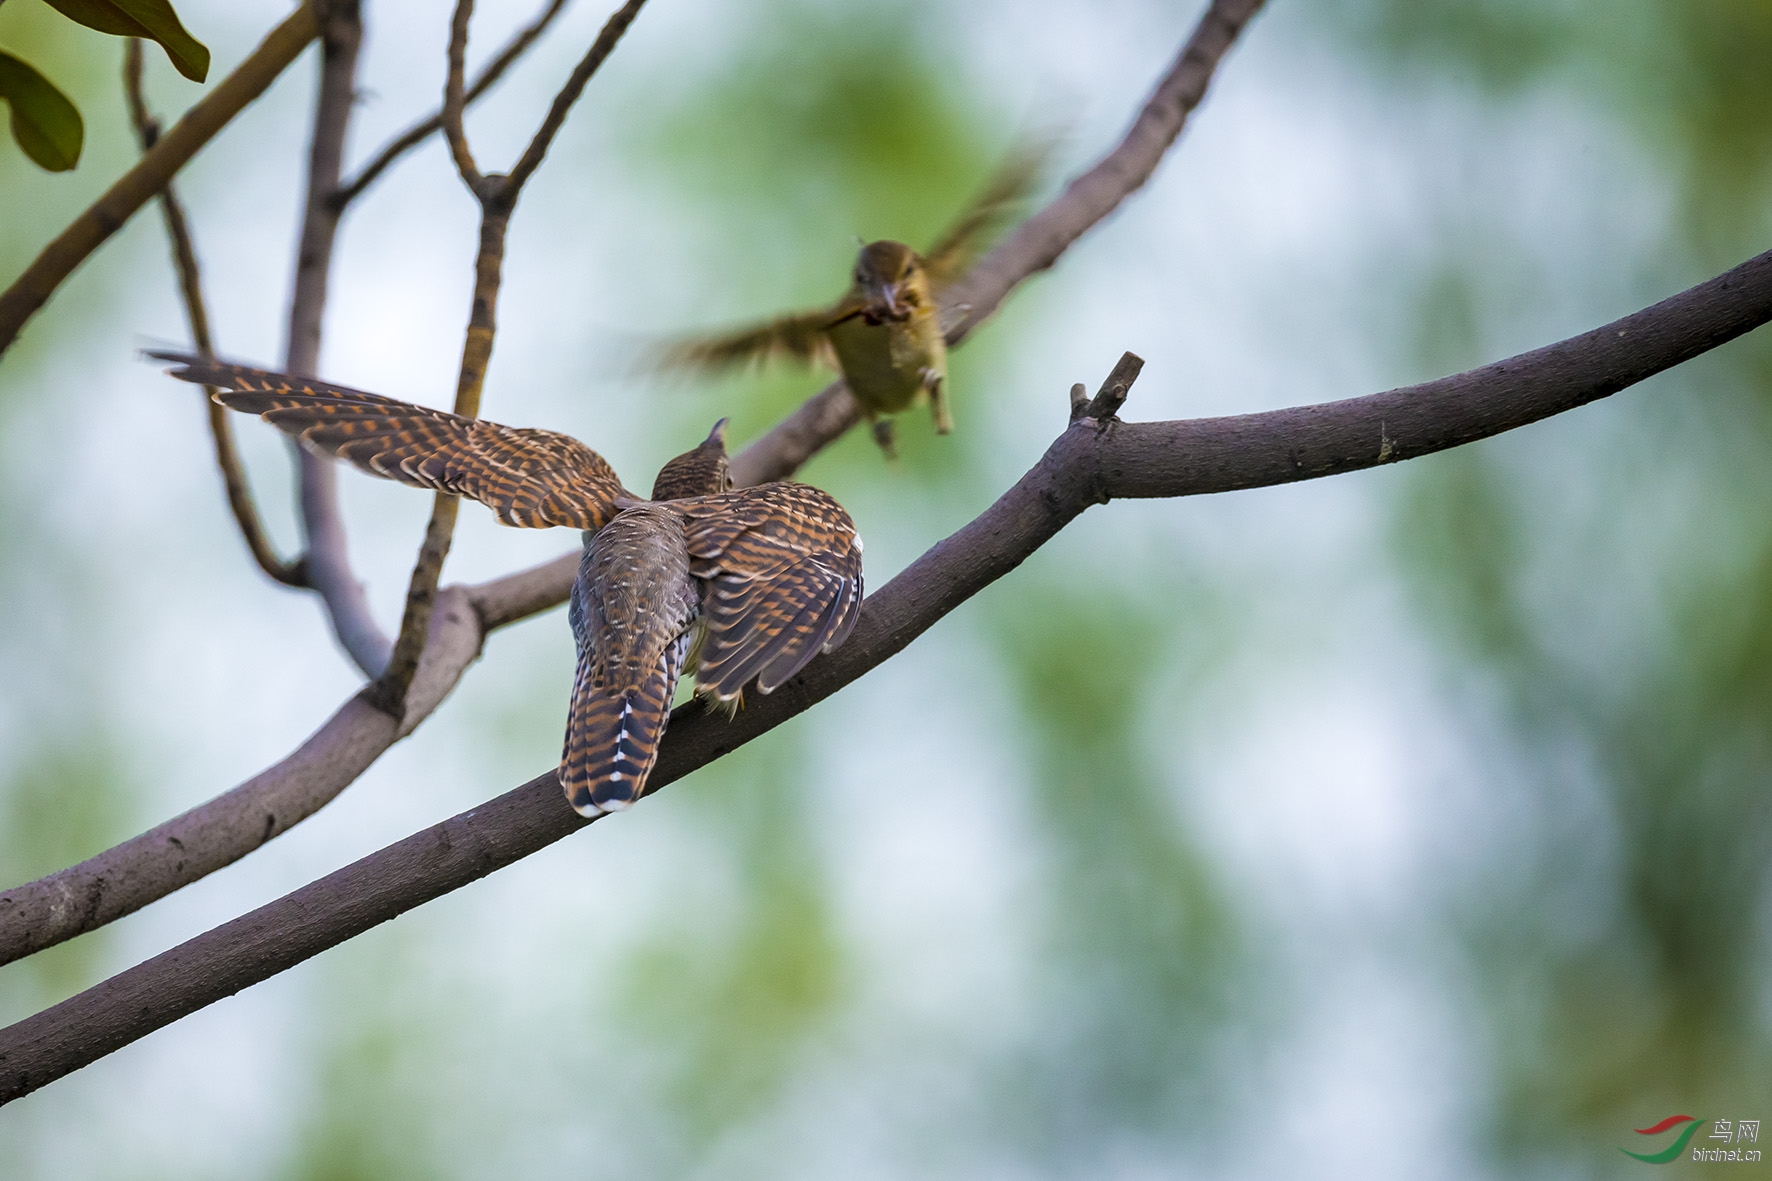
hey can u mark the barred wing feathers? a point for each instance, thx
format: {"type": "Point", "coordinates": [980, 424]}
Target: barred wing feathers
{"type": "Point", "coordinates": [530, 478]}
{"type": "Point", "coordinates": [782, 582]}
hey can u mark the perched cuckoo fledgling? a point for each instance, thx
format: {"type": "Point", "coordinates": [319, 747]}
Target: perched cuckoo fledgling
{"type": "Point", "coordinates": [886, 335]}
{"type": "Point", "coordinates": [753, 582]}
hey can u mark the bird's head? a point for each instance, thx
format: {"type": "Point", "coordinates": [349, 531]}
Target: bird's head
{"type": "Point", "coordinates": [701, 472]}
{"type": "Point", "coordinates": [889, 276]}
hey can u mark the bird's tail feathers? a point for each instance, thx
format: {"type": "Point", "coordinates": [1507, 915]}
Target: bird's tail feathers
{"type": "Point", "coordinates": [612, 734]}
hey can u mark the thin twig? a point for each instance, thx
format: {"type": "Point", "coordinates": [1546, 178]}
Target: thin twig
{"type": "Point", "coordinates": [425, 128]}
{"type": "Point", "coordinates": [135, 188]}
{"type": "Point", "coordinates": [504, 600]}
{"type": "Point", "coordinates": [190, 283]}
{"type": "Point", "coordinates": [327, 558]}
{"type": "Point", "coordinates": [454, 99]}
{"type": "Point", "coordinates": [497, 196]}
{"type": "Point", "coordinates": [1090, 462]}
{"type": "Point", "coordinates": [599, 52]}
{"type": "Point", "coordinates": [1034, 245]}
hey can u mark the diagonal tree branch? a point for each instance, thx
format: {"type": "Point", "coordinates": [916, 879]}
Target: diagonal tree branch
{"type": "Point", "coordinates": [422, 130]}
{"type": "Point", "coordinates": [135, 188]}
{"type": "Point", "coordinates": [497, 196]}
{"type": "Point", "coordinates": [1039, 241]}
{"type": "Point", "coordinates": [1033, 246]}
{"type": "Point", "coordinates": [1094, 460]}
{"type": "Point", "coordinates": [123, 879]}
{"type": "Point", "coordinates": [130, 875]}
{"type": "Point", "coordinates": [593, 59]}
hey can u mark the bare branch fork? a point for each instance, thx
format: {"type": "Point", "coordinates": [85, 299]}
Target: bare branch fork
{"type": "Point", "coordinates": [515, 48]}
{"type": "Point", "coordinates": [1096, 459]}
{"type": "Point", "coordinates": [125, 878]}
{"type": "Point", "coordinates": [497, 196]}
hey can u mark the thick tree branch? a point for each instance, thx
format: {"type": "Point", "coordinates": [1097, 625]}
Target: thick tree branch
{"type": "Point", "coordinates": [123, 879]}
{"type": "Point", "coordinates": [1092, 461]}
{"type": "Point", "coordinates": [137, 187]}
{"type": "Point", "coordinates": [1034, 245]}
{"type": "Point", "coordinates": [497, 196]}
{"type": "Point", "coordinates": [190, 285]}
{"type": "Point", "coordinates": [419, 132]}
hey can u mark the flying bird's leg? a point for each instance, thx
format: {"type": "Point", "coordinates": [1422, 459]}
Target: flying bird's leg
{"type": "Point", "coordinates": [882, 428]}
{"type": "Point", "coordinates": [937, 386]}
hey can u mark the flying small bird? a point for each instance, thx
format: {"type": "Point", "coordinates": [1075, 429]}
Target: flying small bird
{"type": "Point", "coordinates": [886, 336]}
{"type": "Point", "coordinates": [737, 585]}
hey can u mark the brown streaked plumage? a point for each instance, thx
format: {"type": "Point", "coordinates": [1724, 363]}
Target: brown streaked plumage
{"type": "Point", "coordinates": [703, 471]}
{"type": "Point", "coordinates": [771, 574]}
{"type": "Point", "coordinates": [532, 479]}
{"type": "Point", "coordinates": [759, 581]}
{"type": "Point", "coordinates": [781, 567]}
{"type": "Point", "coordinates": [633, 611]}
{"type": "Point", "coordinates": [885, 335]}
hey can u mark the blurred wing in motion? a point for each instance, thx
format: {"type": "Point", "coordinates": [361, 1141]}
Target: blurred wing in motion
{"type": "Point", "coordinates": [530, 478]}
{"type": "Point", "coordinates": [633, 611]}
{"type": "Point", "coordinates": [781, 565]}
{"type": "Point", "coordinates": [996, 204]}
{"type": "Point", "coordinates": [797, 338]}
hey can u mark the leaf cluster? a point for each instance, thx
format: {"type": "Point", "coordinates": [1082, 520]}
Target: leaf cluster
{"type": "Point", "coordinates": [46, 124]}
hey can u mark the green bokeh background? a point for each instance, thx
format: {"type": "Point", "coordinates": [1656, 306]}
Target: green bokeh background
{"type": "Point", "coordinates": [1413, 823]}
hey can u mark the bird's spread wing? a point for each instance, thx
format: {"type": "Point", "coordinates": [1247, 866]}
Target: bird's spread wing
{"type": "Point", "coordinates": [530, 478]}
{"type": "Point", "coordinates": [797, 338]}
{"type": "Point", "coordinates": [781, 571]}
{"type": "Point", "coordinates": [998, 202]}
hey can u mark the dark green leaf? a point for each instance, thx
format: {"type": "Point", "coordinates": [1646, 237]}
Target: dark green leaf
{"type": "Point", "coordinates": [150, 19]}
{"type": "Point", "coordinates": [44, 122]}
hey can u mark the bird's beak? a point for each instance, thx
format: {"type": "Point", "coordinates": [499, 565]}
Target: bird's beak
{"type": "Point", "coordinates": [888, 297]}
{"type": "Point", "coordinates": [718, 434]}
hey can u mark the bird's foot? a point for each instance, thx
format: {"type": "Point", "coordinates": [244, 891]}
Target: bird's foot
{"type": "Point", "coordinates": [936, 383]}
{"type": "Point", "coordinates": [882, 429]}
